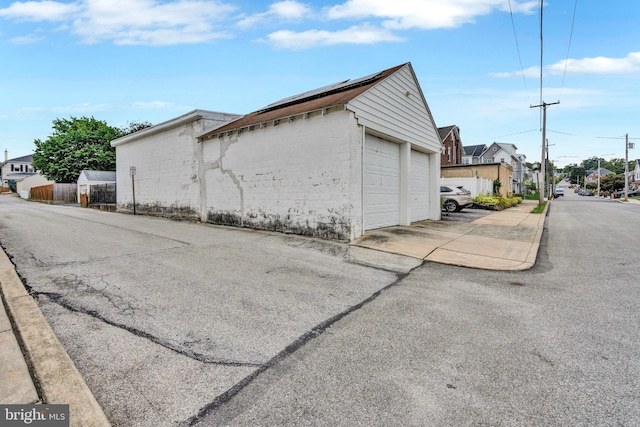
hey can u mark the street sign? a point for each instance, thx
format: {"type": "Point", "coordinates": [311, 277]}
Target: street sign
{"type": "Point", "coordinates": [132, 170]}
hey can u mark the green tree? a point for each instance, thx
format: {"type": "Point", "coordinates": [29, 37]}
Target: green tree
{"type": "Point", "coordinates": [612, 183]}
{"type": "Point", "coordinates": [77, 144]}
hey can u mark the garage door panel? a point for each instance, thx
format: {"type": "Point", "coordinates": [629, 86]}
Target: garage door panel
{"type": "Point", "coordinates": [381, 183]}
{"type": "Point", "coordinates": [419, 182]}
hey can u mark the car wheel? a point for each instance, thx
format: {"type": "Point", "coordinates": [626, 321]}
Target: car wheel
{"type": "Point", "coordinates": [451, 206]}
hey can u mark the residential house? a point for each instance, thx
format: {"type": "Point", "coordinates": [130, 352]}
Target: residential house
{"type": "Point", "coordinates": [473, 154]}
{"type": "Point", "coordinates": [593, 175]}
{"type": "Point", "coordinates": [332, 162]}
{"type": "Point", "coordinates": [507, 154]}
{"type": "Point", "coordinates": [14, 170]}
{"type": "Point", "coordinates": [453, 151]}
{"type": "Point", "coordinates": [634, 179]}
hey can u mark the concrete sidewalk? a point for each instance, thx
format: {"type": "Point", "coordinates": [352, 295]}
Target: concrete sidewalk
{"type": "Point", "coordinates": [31, 354]}
{"type": "Point", "coordinates": [504, 240]}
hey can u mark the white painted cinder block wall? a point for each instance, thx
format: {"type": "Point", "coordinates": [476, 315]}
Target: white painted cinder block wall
{"type": "Point", "coordinates": [166, 180]}
{"type": "Point", "coordinates": [302, 176]}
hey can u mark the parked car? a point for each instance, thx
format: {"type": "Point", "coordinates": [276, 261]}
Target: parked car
{"type": "Point", "coordinates": [454, 199]}
{"type": "Point", "coordinates": [559, 192]}
{"type": "Point", "coordinates": [586, 193]}
{"type": "Point", "coordinates": [634, 193]}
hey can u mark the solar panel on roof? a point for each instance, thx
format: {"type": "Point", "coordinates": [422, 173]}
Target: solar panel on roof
{"type": "Point", "coordinates": [335, 87]}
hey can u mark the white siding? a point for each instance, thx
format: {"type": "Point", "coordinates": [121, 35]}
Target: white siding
{"type": "Point", "coordinates": [381, 183]}
{"type": "Point", "coordinates": [386, 108]}
{"type": "Point", "coordinates": [419, 197]}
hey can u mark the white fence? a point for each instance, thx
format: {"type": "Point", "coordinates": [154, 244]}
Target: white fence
{"type": "Point", "coordinates": [477, 186]}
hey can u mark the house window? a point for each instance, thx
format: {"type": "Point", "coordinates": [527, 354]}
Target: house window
{"type": "Point", "coordinates": [12, 168]}
{"type": "Point", "coordinates": [465, 161]}
{"type": "Point", "coordinates": [449, 154]}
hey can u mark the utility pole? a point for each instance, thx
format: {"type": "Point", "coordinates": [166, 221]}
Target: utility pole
{"type": "Point", "coordinates": [626, 167]}
{"type": "Point", "coordinates": [544, 145]}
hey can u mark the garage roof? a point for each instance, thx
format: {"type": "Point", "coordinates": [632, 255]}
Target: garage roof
{"type": "Point", "coordinates": [328, 96]}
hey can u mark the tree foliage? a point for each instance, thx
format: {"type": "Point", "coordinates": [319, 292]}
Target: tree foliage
{"type": "Point", "coordinates": [612, 183]}
{"type": "Point", "coordinates": [78, 144]}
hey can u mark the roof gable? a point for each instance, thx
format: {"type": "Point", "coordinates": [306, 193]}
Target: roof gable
{"type": "Point", "coordinates": [445, 131]}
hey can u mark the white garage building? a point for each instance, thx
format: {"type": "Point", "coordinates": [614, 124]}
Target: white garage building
{"type": "Point", "coordinates": [332, 162]}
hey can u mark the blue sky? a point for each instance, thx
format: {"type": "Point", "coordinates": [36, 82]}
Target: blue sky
{"type": "Point", "coordinates": [153, 60]}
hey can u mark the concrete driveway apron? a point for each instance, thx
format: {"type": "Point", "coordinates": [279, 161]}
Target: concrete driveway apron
{"type": "Point", "coordinates": [504, 240]}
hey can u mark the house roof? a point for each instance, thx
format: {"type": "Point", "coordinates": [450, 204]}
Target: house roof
{"type": "Point", "coordinates": [444, 131]}
{"type": "Point", "coordinates": [24, 159]}
{"type": "Point", "coordinates": [474, 150]}
{"type": "Point", "coordinates": [101, 176]}
{"type": "Point", "coordinates": [313, 100]}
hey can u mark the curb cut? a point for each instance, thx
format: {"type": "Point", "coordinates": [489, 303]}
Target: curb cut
{"type": "Point", "coordinates": [58, 378]}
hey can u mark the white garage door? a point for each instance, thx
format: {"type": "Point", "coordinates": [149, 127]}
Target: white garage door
{"type": "Point", "coordinates": [381, 183]}
{"type": "Point", "coordinates": [419, 186]}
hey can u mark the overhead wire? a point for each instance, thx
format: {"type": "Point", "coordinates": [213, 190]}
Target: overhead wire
{"type": "Point", "coordinates": [515, 36]}
{"type": "Point", "coordinates": [566, 61]}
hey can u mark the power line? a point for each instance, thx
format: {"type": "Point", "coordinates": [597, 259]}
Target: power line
{"type": "Point", "coordinates": [516, 133]}
{"type": "Point", "coordinates": [541, 49]}
{"type": "Point", "coordinates": [515, 36]}
{"type": "Point", "coordinates": [566, 61]}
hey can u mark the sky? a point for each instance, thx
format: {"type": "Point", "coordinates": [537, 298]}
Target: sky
{"type": "Point", "coordinates": [478, 63]}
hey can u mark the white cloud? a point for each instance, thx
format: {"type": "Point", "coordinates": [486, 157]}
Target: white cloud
{"type": "Point", "coordinates": [40, 10]}
{"type": "Point", "coordinates": [599, 65]}
{"type": "Point", "coordinates": [30, 39]}
{"type": "Point", "coordinates": [287, 10]}
{"type": "Point", "coordinates": [148, 22]}
{"type": "Point", "coordinates": [363, 34]}
{"type": "Point", "coordinates": [425, 14]}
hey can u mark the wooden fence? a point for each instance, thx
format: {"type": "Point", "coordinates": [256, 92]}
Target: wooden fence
{"type": "Point", "coordinates": [54, 193]}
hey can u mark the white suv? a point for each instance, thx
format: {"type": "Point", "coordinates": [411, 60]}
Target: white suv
{"type": "Point", "coordinates": [454, 199]}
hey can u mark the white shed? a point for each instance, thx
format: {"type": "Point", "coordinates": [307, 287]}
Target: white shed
{"type": "Point", "coordinates": [332, 162]}
{"type": "Point", "coordinates": [89, 178]}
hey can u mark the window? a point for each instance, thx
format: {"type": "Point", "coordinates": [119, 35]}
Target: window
{"type": "Point", "coordinates": [466, 161]}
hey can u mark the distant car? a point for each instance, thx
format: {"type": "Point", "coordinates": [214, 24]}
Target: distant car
{"type": "Point", "coordinates": [586, 193]}
{"type": "Point", "coordinates": [559, 192]}
{"type": "Point", "coordinates": [577, 190]}
{"type": "Point", "coordinates": [618, 194]}
{"type": "Point", "coordinates": [634, 193]}
{"type": "Point", "coordinates": [454, 199]}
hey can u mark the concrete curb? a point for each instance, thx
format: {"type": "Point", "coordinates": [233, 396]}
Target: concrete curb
{"type": "Point", "coordinates": [58, 378]}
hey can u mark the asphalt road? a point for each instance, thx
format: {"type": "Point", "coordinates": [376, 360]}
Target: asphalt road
{"type": "Point", "coordinates": [187, 324]}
